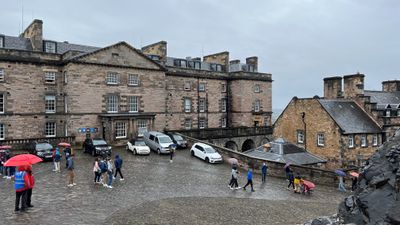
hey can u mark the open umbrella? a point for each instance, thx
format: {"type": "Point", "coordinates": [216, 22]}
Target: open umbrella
{"type": "Point", "coordinates": [354, 174]}
{"type": "Point", "coordinates": [64, 144]}
{"type": "Point", "coordinates": [5, 147]}
{"type": "Point", "coordinates": [233, 161]}
{"type": "Point", "coordinates": [287, 165]}
{"type": "Point", "coordinates": [23, 160]}
{"type": "Point", "coordinates": [340, 173]}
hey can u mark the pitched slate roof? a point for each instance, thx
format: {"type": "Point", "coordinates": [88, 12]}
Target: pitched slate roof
{"type": "Point", "coordinates": [350, 117]}
{"type": "Point", "coordinates": [382, 98]}
{"type": "Point", "coordinates": [63, 47]}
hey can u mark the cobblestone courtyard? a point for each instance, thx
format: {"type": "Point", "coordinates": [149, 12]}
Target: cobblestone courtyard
{"type": "Point", "coordinates": [155, 191]}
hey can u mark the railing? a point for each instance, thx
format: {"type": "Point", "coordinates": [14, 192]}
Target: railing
{"type": "Point", "coordinates": [20, 144]}
{"type": "Point", "coordinates": [212, 133]}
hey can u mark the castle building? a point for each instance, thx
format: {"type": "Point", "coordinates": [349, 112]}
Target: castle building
{"type": "Point", "coordinates": [57, 89]}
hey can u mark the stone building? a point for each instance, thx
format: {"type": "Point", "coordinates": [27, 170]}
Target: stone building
{"type": "Point", "coordinates": [58, 89]}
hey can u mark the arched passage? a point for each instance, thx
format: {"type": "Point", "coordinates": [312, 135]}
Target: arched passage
{"type": "Point", "coordinates": [231, 145]}
{"type": "Point", "coordinates": [248, 144]}
{"type": "Point", "coordinates": [264, 141]}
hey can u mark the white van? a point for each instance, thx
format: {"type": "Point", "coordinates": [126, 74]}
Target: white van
{"type": "Point", "coordinates": [158, 142]}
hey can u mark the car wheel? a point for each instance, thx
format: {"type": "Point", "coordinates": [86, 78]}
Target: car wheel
{"type": "Point", "coordinates": [134, 151]}
{"type": "Point", "coordinates": [207, 160]}
{"type": "Point", "coordinates": [192, 153]}
{"type": "Point", "coordinates": [158, 151]}
{"type": "Point", "coordinates": [93, 153]}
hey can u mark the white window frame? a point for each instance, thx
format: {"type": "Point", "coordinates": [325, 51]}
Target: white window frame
{"type": "Point", "coordinates": [257, 105]}
{"type": "Point", "coordinates": [2, 75]}
{"type": "Point", "coordinates": [351, 141]}
{"type": "Point", "coordinates": [202, 87]}
{"type": "Point", "coordinates": [257, 88]}
{"type": "Point", "coordinates": [112, 78]}
{"type": "Point", "coordinates": [398, 112]}
{"type": "Point", "coordinates": [223, 87]}
{"type": "Point", "coordinates": [133, 80]}
{"type": "Point", "coordinates": [65, 103]}
{"type": "Point", "coordinates": [188, 124]}
{"type": "Point", "coordinates": [202, 123]}
{"type": "Point", "coordinates": [50, 129]}
{"type": "Point", "coordinates": [50, 47]}
{"type": "Point", "coordinates": [363, 140]}
{"type": "Point", "coordinates": [321, 140]}
{"type": "Point", "coordinates": [187, 86]}
{"type": "Point", "coordinates": [2, 103]}
{"type": "Point", "coordinates": [223, 104]}
{"type": "Point", "coordinates": [142, 127]}
{"type": "Point", "coordinates": [388, 112]}
{"type": "Point", "coordinates": [300, 136]}
{"type": "Point", "coordinates": [120, 130]}
{"type": "Point", "coordinates": [223, 122]}
{"type": "Point", "coordinates": [112, 103]}
{"type": "Point", "coordinates": [202, 104]}
{"type": "Point", "coordinates": [65, 77]}
{"type": "Point", "coordinates": [50, 77]}
{"type": "Point", "coordinates": [133, 104]}
{"type": "Point", "coordinates": [2, 131]}
{"type": "Point", "coordinates": [188, 105]}
{"type": "Point", "coordinates": [50, 103]}
{"type": "Point", "coordinates": [375, 140]}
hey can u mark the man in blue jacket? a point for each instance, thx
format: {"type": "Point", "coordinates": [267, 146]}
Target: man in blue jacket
{"type": "Point", "coordinates": [249, 180]}
{"type": "Point", "coordinates": [264, 172]}
{"type": "Point", "coordinates": [118, 166]}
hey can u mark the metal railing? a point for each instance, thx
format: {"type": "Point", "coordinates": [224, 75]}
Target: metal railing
{"type": "Point", "coordinates": [19, 144]}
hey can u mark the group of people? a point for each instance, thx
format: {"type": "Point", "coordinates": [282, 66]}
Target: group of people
{"type": "Point", "coordinates": [24, 182]}
{"type": "Point", "coordinates": [296, 182]}
{"type": "Point", "coordinates": [103, 169]}
{"type": "Point", "coordinates": [233, 184]}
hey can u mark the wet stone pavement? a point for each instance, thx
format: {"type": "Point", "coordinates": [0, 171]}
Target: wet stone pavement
{"type": "Point", "coordinates": [155, 191]}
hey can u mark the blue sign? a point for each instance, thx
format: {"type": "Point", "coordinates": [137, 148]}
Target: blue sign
{"type": "Point", "coordinates": [83, 130]}
{"type": "Point", "coordinates": [92, 130]}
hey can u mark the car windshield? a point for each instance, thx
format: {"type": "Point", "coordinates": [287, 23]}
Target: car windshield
{"type": "Point", "coordinates": [209, 150]}
{"type": "Point", "coordinates": [140, 143]}
{"type": "Point", "coordinates": [165, 139]}
{"type": "Point", "coordinates": [43, 147]}
{"type": "Point", "coordinates": [178, 138]}
{"type": "Point", "coordinates": [99, 142]}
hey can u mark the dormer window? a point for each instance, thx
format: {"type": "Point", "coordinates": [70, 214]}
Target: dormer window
{"type": "Point", "coordinates": [50, 46]}
{"type": "Point", "coordinates": [194, 65]}
{"type": "Point", "coordinates": [1, 41]}
{"type": "Point", "coordinates": [215, 67]}
{"type": "Point", "coordinates": [154, 57]}
{"type": "Point", "coordinates": [180, 63]}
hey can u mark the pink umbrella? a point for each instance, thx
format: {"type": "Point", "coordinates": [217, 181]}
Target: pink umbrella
{"type": "Point", "coordinates": [23, 160]}
{"type": "Point", "coordinates": [354, 174]}
{"type": "Point", "coordinates": [64, 144]}
{"type": "Point", "coordinates": [5, 147]}
{"type": "Point", "coordinates": [233, 161]}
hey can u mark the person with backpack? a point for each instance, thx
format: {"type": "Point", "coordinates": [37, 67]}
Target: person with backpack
{"type": "Point", "coordinates": [110, 168]}
{"type": "Point", "coordinates": [103, 171]}
{"type": "Point", "coordinates": [118, 165]}
{"type": "Point", "coordinates": [57, 160]}
{"type": "Point", "coordinates": [71, 173]}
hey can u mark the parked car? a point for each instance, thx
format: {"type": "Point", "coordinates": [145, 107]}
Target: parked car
{"type": "Point", "coordinates": [138, 146]}
{"type": "Point", "coordinates": [97, 146]}
{"type": "Point", "coordinates": [206, 153]}
{"type": "Point", "coordinates": [158, 142]}
{"type": "Point", "coordinates": [43, 150]}
{"type": "Point", "coordinates": [178, 140]}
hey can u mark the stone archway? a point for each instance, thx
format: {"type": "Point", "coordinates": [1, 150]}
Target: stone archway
{"type": "Point", "coordinates": [248, 144]}
{"type": "Point", "coordinates": [231, 145]}
{"type": "Point", "coordinates": [264, 141]}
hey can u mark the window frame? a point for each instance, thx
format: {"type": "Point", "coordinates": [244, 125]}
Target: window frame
{"type": "Point", "coordinates": [188, 124]}
{"type": "Point", "coordinates": [48, 127]}
{"type": "Point", "coordinates": [133, 81]}
{"type": "Point", "coordinates": [223, 122]}
{"type": "Point", "coordinates": [131, 104]}
{"type": "Point", "coordinates": [2, 131]}
{"type": "Point", "coordinates": [364, 141]}
{"type": "Point", "coordinates": [375, 141]}
{"type": "Point", "coordinates": [187, 86]}
{"type": "Point", "coordinates": [2, 75]}
{"type": "Point", "coordinates": [50, 104]}
{"type": "Point", "coordinates": [46, 49]}
{"type": "Point", "coordinates": [320, 139]}
{"type": "Point", "coordinates": [202, 87]}
{"type": "Point", "coordinates": [257, 88]}
{"type": "Point", "coordinates": [2, 41]}
{"type": "Point", "coordinates": [120, 130]}
{"type": "Point", "coordinates": [112, 78]}
{"type": "Point", "coordinates": [257, 105]}
{"type": "Point", "coordinates": [187, 107]}
{"type": "Point", "coordinates": [202, 105]}
{"type": "Point", "coordinates": [223, 87]}
{"type": "Point", "coordinates": [388, 113]}
{"type": "Point", "coordinates": [115, 103]}
{"type": "Point", "coordinates": [351, 141]}
{"type": "Point", "coordinates": [224, 104]}
{"type": "Point", "coordinates": [140, 130]}
{"type": "Point", "coordinates": [202, 123]}
{"type": "Point", "coordinates": [50, 77]}
{"type": "Point", "coordinates": [2, 103]}
{"type": "Point", "coordinates": [300, 133]}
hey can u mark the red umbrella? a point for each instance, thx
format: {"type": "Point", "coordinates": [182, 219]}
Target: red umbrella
{"type": "Point", "coordinates": [64, 144]}
{"type": "Point", "coordinates": [5, 147]}
{"type": "Point", "coordinates": [354, 174]}
{"type": "Point", "coordinates": [23, 160]}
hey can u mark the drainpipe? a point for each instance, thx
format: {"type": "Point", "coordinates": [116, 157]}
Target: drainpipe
{"type": "Point", "coordinates": [303, 116]}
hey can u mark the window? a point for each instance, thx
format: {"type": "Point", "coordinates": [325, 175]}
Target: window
{"type": "Point", "coordinates": [2, 103]}
{"type": "Point", "coordinates": [50, 103]}
{"type": "Point", "coordinates": [375, 140]}
{"type": "Point", "coordinates": [202, 123]}
{"type": "Point", "coordinates": [257, 88]}
{"type": "Point", "coordinates": [112, 78]}
{"type": "Point", "coordinates": [398, 112]}
{"type": "Point", "coordinates": [215, 67]}
{"type": "Point", "coordinates": [351, 141]}
{"type": "Point", "coordinates": [154, 57]}
{"type": "Point", "coordinates": [257, 104]}
{"type": "Point", "coordinates": [1, 75]}
{"type": "Point", "coordinates": [202, 87]}
{"type": "Point", "coordinates": [133, 80]}
{"type": "Point", "coordinates": [194, 65]}
{"type": "Point", "coordinates": [363, 140]}
{"type": "Point", "coordinates": [2, 132]}
{"type": "Point", "coordinates": [142, 127]}
{"type": "Point", "coordinates": [388, 113]}
{"type": "Point", "coordinates": [202, 104]}
{"type": "Point", "coordinates": [267, 121]}
{"type": "Point", "coordinates": [187, 86]}
{"type": "Point", "coordinates": [120, 130]}
{"type": "Point", "coordinates": [180, 63]}
{"type": "Point", "coordinates": [112, 103]}
{"type": "Point", "coordinates": [50, 47]}
{"type": "Point", "coordinates": [223, 87]}
{"type": "Point", "coordinates": [65, 77]}
{"type": "Point", "coordinates": [188, 123]}
{"type": "Point", "coordinates": [223, 105]}
{"type": "Point", "coordinates": [50, 129]}
{"type": "Point", "coordinates": [50, 77]}
{"type": "Point", "coordinates": [133, 103]}
{"type": "Point", "coordinates": [223, 122]}
{"type": "Point", "coordinates": [65, 103]}
{"type": "Point", "coordinates": [188, 105]}
{"type": "Point", "coordinates": [1, 41]}
{"type": "Point", "coordinates": [300, 136]}
{"type": "Point", "coordinates": [321, 140]}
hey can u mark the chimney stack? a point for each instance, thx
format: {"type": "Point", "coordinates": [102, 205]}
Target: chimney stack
{"type": "Point", "coordinates": [253, 61]}
{"type": "Point", "coordinates": [353, 85]}
{"type": "Point", "coordinates": [333, 87]}
{"type": "Point", "coordinates": [35, 33]}
{"type": "Point", "coordinates": [391, 85]}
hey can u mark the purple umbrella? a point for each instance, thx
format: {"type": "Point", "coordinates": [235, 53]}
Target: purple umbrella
{"type": "Point", "coordinates": [287, 165]}
{"type": "Point", "coordinates": [340, 173]}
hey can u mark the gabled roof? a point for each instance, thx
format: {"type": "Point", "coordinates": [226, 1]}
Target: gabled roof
{"type": "Point", "coordinates": [350, 117]}
{"type": "Point", "coordinates": [383, 97]}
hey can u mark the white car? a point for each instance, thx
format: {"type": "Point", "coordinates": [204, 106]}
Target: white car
{"type": "Point", "coordinates": [137, 146]}
{"type": "Point", "coordinates": [206, 153]}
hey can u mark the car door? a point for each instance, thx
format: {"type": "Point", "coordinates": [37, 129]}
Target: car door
{"type": "Point", "coordinates": [201, 153]}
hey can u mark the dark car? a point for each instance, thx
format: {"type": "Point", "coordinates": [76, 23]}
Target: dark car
{"type": "Point", "coordinates": [96, 146]}
{"type": "Point", "coordinates": [43, 150]}
{"type": "Point", "coordinates": [178, 140]}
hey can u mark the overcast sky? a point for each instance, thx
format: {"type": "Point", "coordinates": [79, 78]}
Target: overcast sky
{"type": "Point", "coordinates": [299, 41]}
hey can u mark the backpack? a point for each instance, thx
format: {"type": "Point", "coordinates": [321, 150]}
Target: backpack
{"type": "Point", "coordinates": [103, 166]}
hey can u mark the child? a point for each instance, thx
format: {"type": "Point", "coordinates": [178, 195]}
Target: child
{"type": "Point", "coordinates": [297, 187]}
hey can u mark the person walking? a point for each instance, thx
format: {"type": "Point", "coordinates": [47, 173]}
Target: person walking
{"type": "Point", "coordinates": [291, 180]}
{"type": "Point", "coordinates": [341, 186]}
{"type": "Point", "coordinates": [67, 153]}
{"type": "Point", "coordinates": [353, 184]}
{"type": "Point", "coordinates": [110, 172]}
{"type": "Point", "coordinates": [264, 172]}
{"type": "Point", "coordinates": [71, 173]}
{"type": "Point", "coordinates": [21, 183]}
{"type": "Point", "coordinates": [96, 171]}
{"type": "Point", "coordinates": [249, 180]}
{"type": "Point", "coordinates": [118, 166]}
{"type": "Point", "coordinates": [234, 181]}
{"type": "Point", "coordinates": [103, 171]}
{"type": "Point", "coordinates": [30, 187]}
{"type": "Point", "coordinates": [171, 154]}
{"type": "Point", "coordinates": [57, 160]}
